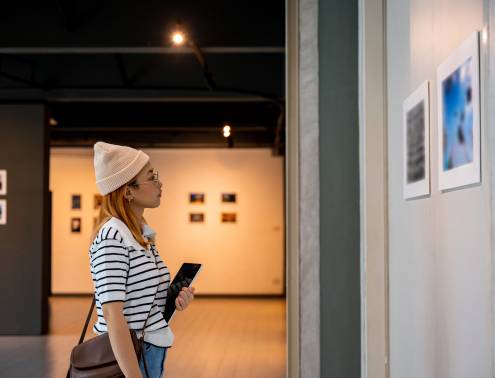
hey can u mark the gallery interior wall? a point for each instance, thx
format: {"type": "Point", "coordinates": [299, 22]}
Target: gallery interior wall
{"type": "Point", "coordinates": [246, 257]}
{"type": "Point", "coordinates": [24, 272]}
{"type": "Point", "coordinates": [439, 247]}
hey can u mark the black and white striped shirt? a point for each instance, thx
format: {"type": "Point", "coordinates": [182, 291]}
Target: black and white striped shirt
{"type": "Point", "coordinates": [122, 270]}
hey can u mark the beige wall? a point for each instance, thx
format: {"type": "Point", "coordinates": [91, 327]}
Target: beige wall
{"type": "Point", "coordinates": [242, 258]}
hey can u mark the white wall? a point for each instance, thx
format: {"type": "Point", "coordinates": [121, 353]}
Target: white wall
{"type": "Point", "coordinates": [242, 258]}
{"type": "Point", "coordinates": [440, 304]}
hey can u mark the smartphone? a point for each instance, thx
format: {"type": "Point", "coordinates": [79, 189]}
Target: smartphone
{"type": "Point", "coordinates": [184, 278]}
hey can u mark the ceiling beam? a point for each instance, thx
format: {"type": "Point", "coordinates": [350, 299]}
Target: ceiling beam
{"type": "Point", "coordinates": [122, 70]}
{"type": "Point", "coordinates": [178, 99]}
{"type": "Point", "coordinates": [140, 50]}
{"type": "Point", "coordinates": [89, 143]}
{"type": "Point", "coordinates": [158, 129]}
{"type": "Point", "coordinates": [137, 94]}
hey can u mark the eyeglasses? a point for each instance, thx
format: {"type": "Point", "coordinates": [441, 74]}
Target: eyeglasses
{"type": "Point", "coordinates": [154, 179]}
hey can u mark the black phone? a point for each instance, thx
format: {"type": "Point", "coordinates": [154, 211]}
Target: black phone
{"type": "Point", "coordinates": [184, 278]}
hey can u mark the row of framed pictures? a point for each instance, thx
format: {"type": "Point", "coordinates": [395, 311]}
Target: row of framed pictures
{"type": "Point", "coordinates": [76, 204]}
{"type": "Point", "coordinates": [224, 217]}
{"type": "Point", "coordinates": [75, 222]}
{"type": "Point", "coordinates": [3, 192]}
{"type": "Point", "coordinates": [76, 201]}
{"type": "Point", "coordinates": [224, 197]}
{"type": "Point", "coordinates": [194, 198]}
{"type": "Point", "coordinates": [458, 125]}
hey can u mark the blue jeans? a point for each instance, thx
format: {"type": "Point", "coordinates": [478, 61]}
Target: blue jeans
{"type": "Point", "coordinates": [155, 359]}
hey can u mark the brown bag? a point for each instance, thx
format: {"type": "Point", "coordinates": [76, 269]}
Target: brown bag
{"type": "Point", "coordinates": [94, 358]}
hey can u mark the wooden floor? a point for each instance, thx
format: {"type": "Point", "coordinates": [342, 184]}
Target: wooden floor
{"type": "Point", "coordinates": [213, 338]}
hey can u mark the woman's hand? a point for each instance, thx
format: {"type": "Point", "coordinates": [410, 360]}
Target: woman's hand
{"type": "Point", "coordinates": [185, 297]}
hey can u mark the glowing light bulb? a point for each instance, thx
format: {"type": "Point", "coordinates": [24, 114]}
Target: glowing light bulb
{"type": "Point", "coordinates": [178, 38]}
{"type": "Point", "coordinates": [226, 131]}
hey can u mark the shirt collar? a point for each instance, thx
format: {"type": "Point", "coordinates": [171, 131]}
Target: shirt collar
{"type": "Point", "coordinates": [148, 232]}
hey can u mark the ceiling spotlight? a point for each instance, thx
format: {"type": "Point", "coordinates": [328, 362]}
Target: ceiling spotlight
{"type": "Point", "coordinates": [226, 131]}
{"type": "Point", "coordinates": [178, 38]}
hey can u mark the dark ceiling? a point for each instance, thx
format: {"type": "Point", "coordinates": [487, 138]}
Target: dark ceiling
{"type": "Point", "coordinates": [107, 70]}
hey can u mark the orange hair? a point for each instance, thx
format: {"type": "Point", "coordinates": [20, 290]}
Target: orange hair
{"type": "Point", "coordinates": [115, 205]}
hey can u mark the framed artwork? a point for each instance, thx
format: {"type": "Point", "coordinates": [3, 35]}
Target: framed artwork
{"type": "Point", "coordinates": [458, 91]}
{"type": "Point", "coordinates": [196, 198]}
{"type": "Point", "coordinates": [76, 202]}
{"type": "Point", "coordinates": [416, 142]}
{"type": "Point", "coordinates": [196, 217]}
{"type": "Point", "coordinates": [3, 182]}
{"type": "Point", "coordinates": [97, 200]}
{"type": "Point", "coordinates": [229, 217]}
{"type": "Point", "coordinates": [75, 225]}
{"type": "Point", "coordinates": [3, 211]}
{"type": "Point", "coordinates": [229, 197]}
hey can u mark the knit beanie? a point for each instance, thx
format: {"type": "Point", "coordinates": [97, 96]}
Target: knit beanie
{"type": "Point", "coordinates": [116, 165]}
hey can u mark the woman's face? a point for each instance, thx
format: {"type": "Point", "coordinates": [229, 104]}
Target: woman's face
{"type": "Point", "coordinates": [146, 189]}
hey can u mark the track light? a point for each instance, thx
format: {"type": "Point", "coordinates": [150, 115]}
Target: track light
{"type": "Point", "coordinates": [226, 131]}
{"type": "Point", "coordinates": [178, 38]}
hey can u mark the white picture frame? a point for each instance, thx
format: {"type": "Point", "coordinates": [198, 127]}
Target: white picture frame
{"type": "Point", "coordinates": [458, 95]}
{"type": "Point", "coordinates": [416, 142]}
{"type": "Point", "coordinates": [3, 211]}
{"type": "Point", "coordinates": [3, 182]}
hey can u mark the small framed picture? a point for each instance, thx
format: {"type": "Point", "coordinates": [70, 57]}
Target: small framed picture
{"type": "Point", "coordinates": [229, 217]}
{"type": "Point", "coordinates": [458, 93]}
{"type": "Point", "coordinates": [229, 197]}
{"type": "Point", "coordinates": [416, 141]}
{"type": "Point", "coordinates": [75, 225]}
{"type": "Point", "coordinates": [3, 182]}
{"type": "Point", "coordinates": [98, 199]}
{"type": "Point", "coordinates": [196, 198]}
{"type": "Point", "coordinates": [3, 211]}
{"type": "Point", "coordinates": [196, 217]}
{"type": "Point", "coordinates": [76, 202]}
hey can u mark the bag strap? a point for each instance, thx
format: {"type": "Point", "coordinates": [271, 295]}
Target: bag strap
{"type": "Point", "coordinates": [83, 333]}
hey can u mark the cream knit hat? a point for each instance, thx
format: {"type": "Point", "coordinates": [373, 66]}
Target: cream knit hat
{"type": "Point", "coordinates": [116, 165]}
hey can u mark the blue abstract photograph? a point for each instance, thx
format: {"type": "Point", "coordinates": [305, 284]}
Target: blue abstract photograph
{"type": "Point", "coordinates": [457, 101]}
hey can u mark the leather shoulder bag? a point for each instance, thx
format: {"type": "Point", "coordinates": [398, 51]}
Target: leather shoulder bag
{"type": "Point", "coordinates": [94, 358]}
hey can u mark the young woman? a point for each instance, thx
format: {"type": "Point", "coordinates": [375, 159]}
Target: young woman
{"type": "Point", "coordinates": [130, 278]}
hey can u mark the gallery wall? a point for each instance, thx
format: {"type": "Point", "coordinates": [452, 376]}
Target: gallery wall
{"type": "Point", "coordinates": [24, 269]}
{"type": "Point", "coordinates": [246, 257]}
{"type": "Point", "coordinates": [439, 245]}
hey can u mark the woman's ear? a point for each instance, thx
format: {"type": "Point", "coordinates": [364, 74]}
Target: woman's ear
{"type": "Point", "coordinates": [128, 194]}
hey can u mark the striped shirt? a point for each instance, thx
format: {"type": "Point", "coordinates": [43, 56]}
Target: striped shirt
{"type": "Point", "coordinates": [123, 271]}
